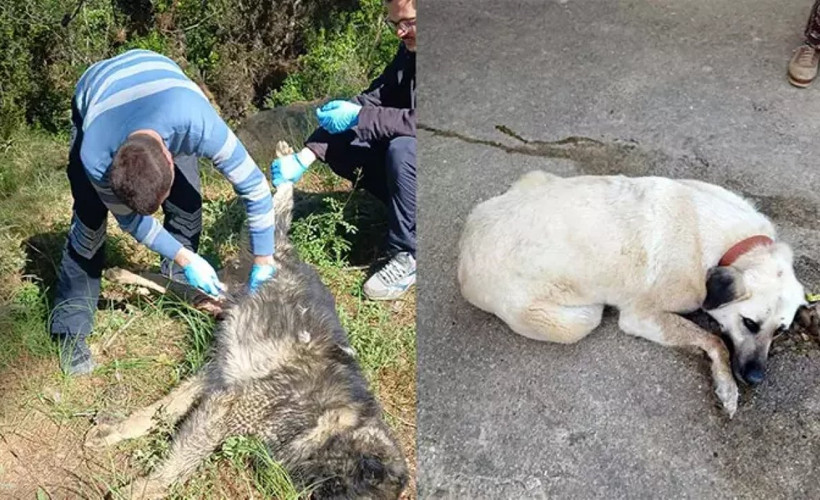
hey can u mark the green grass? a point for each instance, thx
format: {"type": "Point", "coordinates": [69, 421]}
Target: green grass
{"type": "Point", "coordinates": [378, 341]}
{"type": "Point", "coordinates": [32, 181]}
{"type": "Point", "coordinates": [145, 345]}
{"type": "Point", "coordinates": [23, 325]}
{"type": "Point", "coordinates": [268, 476]}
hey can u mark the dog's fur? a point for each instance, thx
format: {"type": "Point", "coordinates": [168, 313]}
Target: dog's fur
{"type": "Point", "coordinates": [547, 256]}
{"type": "Point", "coordinates": [282, 369]}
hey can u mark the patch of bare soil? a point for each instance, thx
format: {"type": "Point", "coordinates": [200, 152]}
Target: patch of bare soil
{"type": "Point", "coordinates": [39, 453]}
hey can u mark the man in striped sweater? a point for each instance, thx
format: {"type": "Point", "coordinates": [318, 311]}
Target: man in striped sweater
{"type": "Point", "coordinates": [139, 125]}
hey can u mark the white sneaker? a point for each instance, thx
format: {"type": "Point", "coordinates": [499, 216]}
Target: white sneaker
{"type": "Point", "coordinates": [393, 280]}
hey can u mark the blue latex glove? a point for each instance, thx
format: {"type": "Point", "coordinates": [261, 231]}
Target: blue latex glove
{"type": "Point", "coordinates": [287, 169]}
{"type": "Point", "coordinates": [338, 116]}
{"type": "Point", "coordinates": [201, 275]}
{"type": "Point", "coordinates": [260, 273]}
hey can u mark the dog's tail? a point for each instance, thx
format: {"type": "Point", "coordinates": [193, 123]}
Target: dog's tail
{"type": "Point", "coordinates": [283, 205]}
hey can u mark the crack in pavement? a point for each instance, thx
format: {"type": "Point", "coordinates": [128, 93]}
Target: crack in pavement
{"type": "Point", "coordinates": [591, 155]}
{"type": "Point", "coordinates": [626, 157]}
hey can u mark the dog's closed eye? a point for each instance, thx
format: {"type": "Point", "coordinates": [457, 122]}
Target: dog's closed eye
{"type": "Point", "coordinates": [750, 325]}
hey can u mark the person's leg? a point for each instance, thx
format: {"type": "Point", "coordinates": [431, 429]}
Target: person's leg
{"type": "Point", "coordinates": [183, 211]}
{"type": "Point", "coordinates": [388, 172]}
{"type": "Point", "coordinates": [812, 31]}
{"type": "Point", "coordinates": [399, 274]}
{"type": "Point", "coordinates": [346, 154]}
{"type": "Point", "coordinates": [804, 61]}
{"type": "Point", "coordinates": [400, 167]}
{"type": "Point", "coordinates": [78, 281]}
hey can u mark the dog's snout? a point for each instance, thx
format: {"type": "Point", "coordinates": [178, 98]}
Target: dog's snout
{"type": "Point", "coordinates": [754, 373]}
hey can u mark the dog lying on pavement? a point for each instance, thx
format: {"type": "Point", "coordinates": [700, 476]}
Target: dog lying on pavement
{"type": "Point", "coordinates": [547, 255]}
{"type": "Point", "coordinates": [282, 369]}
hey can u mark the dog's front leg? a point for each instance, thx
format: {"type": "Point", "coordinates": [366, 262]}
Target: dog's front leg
{"type": "Point", "coordinates": [672, 330]}
{"type": "Point", "coordinates": [175, 404]}
{"type": "Point", "coordinates": [200, 434]}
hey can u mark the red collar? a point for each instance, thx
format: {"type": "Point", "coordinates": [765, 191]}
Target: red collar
{"type": "Point", "coordinates": [742, 247]}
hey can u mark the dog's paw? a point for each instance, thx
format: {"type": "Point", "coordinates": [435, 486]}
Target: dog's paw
{"type": "Point", "coordinates": [143, 489]}
{"type": "Point", "coordinates": [283, 149]}
{"type": "Point", "coordinates": [208, 305]}
{"type": "Point", "coordinates": [102, 436]}
{"type": "Point", "coordinates": [727, 392]}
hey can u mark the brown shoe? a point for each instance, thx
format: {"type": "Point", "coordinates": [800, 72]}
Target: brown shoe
{"type": "Point", "coordinates": [803, 66]}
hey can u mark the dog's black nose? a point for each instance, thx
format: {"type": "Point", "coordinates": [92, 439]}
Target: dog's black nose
{"type": "Point", "coordinates": [754, 373]}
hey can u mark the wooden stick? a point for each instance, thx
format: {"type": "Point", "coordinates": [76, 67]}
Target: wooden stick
{"type": "Point", "coordinates": [123, 277]}
{"type": "Point", "coordinates": [162, 285]}
{"type": "Point", "coordinates": [107, 342]}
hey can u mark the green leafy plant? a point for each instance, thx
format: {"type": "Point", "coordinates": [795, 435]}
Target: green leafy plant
{"type": "Point", "coordinates": [321, 236]}
{"type": "Point", "coordinates": [342, 58]}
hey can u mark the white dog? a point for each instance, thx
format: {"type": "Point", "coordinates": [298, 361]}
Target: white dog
{"type": "Point", "coordinates": [548, 254]}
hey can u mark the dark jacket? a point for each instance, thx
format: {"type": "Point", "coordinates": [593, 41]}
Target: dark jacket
{"type": "Point", "coordinates": [388, 106]}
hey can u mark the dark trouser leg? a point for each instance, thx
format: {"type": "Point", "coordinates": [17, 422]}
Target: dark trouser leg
{"type": "Point", "coordinates": [78, 280]}
{"type": "Point", "coordinates": [183, 210]}
{"type": "Point", "coordinates": [813, 26]}
{"type": "Point", "coordinates": [346, 153]}
{"type": "Point", "coordinates": [400, 168]}
{"type": "Point", "coordinates": [389, 174]}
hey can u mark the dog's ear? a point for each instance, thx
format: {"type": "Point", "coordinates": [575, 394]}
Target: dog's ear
{"type": "Point", "coordinates": [724, 284]}
{"type": "Point", "coordinates": [371, 470]}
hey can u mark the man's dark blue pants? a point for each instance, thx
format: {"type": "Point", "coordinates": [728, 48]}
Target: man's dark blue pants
{"type": "Point", "coordinates": [78, 281]}
{"type": "Point", "coordinates": [388, 172]}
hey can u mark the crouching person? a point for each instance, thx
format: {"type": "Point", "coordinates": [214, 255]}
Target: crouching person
{"type": "Point", "coordinates": [376, 131]}
{"type": "Point", "coordinates": [139, 125]}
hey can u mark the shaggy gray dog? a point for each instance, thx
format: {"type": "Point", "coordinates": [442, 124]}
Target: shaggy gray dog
{"type": "Point", "coordinates": [282, 370]}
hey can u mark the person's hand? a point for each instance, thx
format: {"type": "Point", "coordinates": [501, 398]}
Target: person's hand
{"type": "Point", "coordinates": [338, 116]}
{"type": "Point", "coordinates": [201, 275]}
{"type": "Point", "coordinates": [291, 167]}
{"type": "Point", "coordinates": [260, 273]}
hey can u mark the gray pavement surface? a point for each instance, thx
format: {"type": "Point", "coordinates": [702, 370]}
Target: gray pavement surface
{"type": "Point", "coordinates": [680, 89]}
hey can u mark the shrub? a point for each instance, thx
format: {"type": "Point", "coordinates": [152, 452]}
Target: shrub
{"type": "Point", "coordinates": [341, 58]}
{"type": "Point", "coordinates": [244, 51]}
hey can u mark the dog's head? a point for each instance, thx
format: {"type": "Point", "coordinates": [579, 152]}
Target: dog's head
{"type": "Point", "coordinates": [754, 300]}
{"type": "Point", "coordinates": [363, 462]}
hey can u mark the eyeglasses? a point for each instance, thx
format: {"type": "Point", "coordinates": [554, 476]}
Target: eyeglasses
{"type": "Point", "coordinates": [403, 25]}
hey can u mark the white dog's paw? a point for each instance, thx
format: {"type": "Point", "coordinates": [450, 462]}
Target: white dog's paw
{"type": "Point", "coordinates": [102, 436]}
{"type": "Point", "coordinates": [283, 149]}
{"type": "Point", "coordinates": [726, 390]}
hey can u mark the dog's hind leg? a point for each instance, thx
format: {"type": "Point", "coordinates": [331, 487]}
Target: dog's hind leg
{"type": "Point", "coordinates": [175, 405]}
{"type": "Point", "coordinates": [672, 330]}
{"type": "Point", "coordinates": [542, 320]}
{"type": "Point", "coordinates": [201, 433]}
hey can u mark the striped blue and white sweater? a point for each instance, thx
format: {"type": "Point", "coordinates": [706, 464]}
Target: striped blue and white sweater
{"type": "Point", "coordinates": [141, 89]}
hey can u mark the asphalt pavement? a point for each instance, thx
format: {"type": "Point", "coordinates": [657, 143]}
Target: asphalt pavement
{"type": "Point", "coordinates": [681, 89]}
